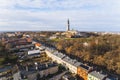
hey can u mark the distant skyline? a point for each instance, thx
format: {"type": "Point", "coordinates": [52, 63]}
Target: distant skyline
{"type": "Point", "coordinates": [52, 15]}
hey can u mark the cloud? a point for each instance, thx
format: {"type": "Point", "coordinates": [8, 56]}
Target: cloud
{"type": "Point", "coordinates": [87, 15]}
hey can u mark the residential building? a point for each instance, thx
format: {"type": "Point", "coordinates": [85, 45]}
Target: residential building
{"type": "Point", "coordinates": [25, 46]}
{"type": "Point", "coordinates": [69, 76]}
{"type": "Point", "coordinates": [34, 53]}
{"type": "Point", "coordinates": [71, 64]}
{"type": "Point", "coordinates": [28, 75]}
{"type": "Point", "coordinates": [61, 58]}
{"type": "Point", "coordinates": [110, 77]}
{"type": "Point", "coordinates": [94, 75]}
{"type": "Point", "coordinates": [37, 45]}
{"type": "Point", "coordinates": [42, 70]}
{"type": "Point", "coordinates": [56, 56]}
{"type": "Point", "coordinates": [10, 34]}
{"type": "Point", "coordinates": [6, 73]}
{"type": "Point", "coordinates": [83, 71]}
{"type": "Point", "coordinates": [53, 37]}
{"type": "Point", "coordinates": [16, 76]}
{"type": "Point", "coordinates": [50, 69]}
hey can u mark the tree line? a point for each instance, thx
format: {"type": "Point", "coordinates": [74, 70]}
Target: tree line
{"type": "Point", "coordinates": [102, 51]}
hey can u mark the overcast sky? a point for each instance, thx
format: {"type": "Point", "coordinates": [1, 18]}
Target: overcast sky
{"type": "Point", "coordinates": [84, 15]}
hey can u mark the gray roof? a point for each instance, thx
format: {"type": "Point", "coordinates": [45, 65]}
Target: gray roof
{"type": "Point", "coordinates": [5, 68]}
{"type": "Point", "coordinates": [108, 79]}
{"type": "Point", "coordinates": [67, 59]}
{"type": "Point", "coordinates": [98, 75]}
{"type": "Point", "coordinates": [25, 73]}
{"type": "Point", "coordinates": [85, 67]}
{"type": "Point", "coordinates": [64, 57]}
{"type": "Point", "coordinates": [42, 47]}
{"type": "Point", "coordinates": [77, 64]}
{"type": "Point", "coordinates": [58, 54]}
{"type": "Point", "coordinates": [71, 61]}
{"type": "Point", "coordinates": [111, 78]}
{"type": "Point", "coordinates": [33, 52]}
{"type": "Point", "coordinates": [50, 49]}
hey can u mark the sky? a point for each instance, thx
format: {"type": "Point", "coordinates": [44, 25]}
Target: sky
{"type": "Point", "coordinates": [52, 15]}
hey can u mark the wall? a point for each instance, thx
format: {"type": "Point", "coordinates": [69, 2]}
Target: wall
{"type": "Point", "coordinates": [82, 73]}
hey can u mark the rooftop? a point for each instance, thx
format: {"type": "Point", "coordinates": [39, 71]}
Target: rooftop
{"type": "Point", "coordinates": [72, 61]}
{"type": "Point", "coordinates": [85, 67]}
{"type": "Point", "coordinates": [3, 69]}
{"type": "Point", "coordinates": [98, 75]}
{"type": "Point", "coordinates": [38, 66]}
{"type": "Point", "coordinates": [33, 51]}
{"type": "Point", "coordinates": [111, 78]}
{"type": "Point", "coordinates": [50, 49]}
{"type": "Point", "coordinates": [60, 55]}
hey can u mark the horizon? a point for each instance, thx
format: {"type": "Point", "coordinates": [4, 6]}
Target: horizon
{"type": "Point", "coordinates": [56, 31]}
{"type": "Point", "coordinates": [40, 15]}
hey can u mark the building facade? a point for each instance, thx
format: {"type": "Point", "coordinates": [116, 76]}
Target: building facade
{"type": "Point", "coordinates": [60, 58]}
{"type": "Point", "coordinates": [48, 71]}
{"type": "Point", "coordinates": [83, 71]}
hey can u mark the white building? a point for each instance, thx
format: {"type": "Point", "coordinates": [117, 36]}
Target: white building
{"type": "Point", "coordinates": [71, 64]}
{"type": "Point", "coordinates": [94, 75]}
{"type": "Point", "coordinates": [10, 34]}
{"type": "Point", "coordinates": [53, 37]}
{"type": "Point", "coordinates": [33, 52]}
{"type": "Point", "coordinates": [54, 55]}
{"type": "Point", "coordinates": [63, 59]}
